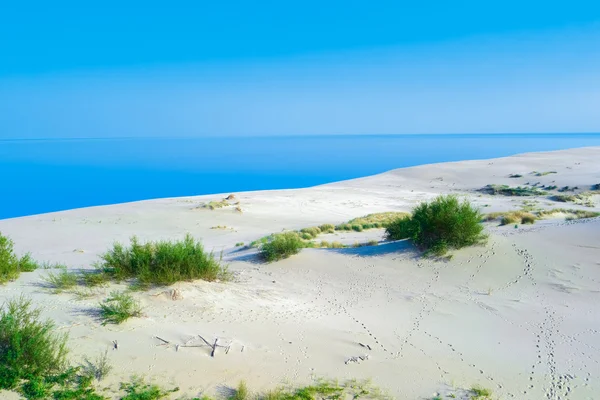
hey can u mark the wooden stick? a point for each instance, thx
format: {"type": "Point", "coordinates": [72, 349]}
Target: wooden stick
{"type": "Point", "coordinates": [212, 354]}
{"type": "Point", "coordinates": [205, 341]}
{"type": "Point", "coordinates": [163, 340]}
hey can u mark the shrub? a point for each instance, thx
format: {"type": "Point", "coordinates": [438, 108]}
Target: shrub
{"type": "Point", "coordinates": [343, 227]}
{"type": "Point", "coordinates": [372, 243]}
{"type": "Point", "coordinates": [162, 262]}
{"type": "Point", "coordinates": [282, 245]}
{"type": "Point", "coordinates": [312, 232]}
{"type": "Point", "coordinates": [98, 368]}
{"type": "Point", "coordinates": [62, 280]}
{"type": "Point", "coordinates": [357, 227]}
{"type": "Point", "coordinates": [239, 244]}
{"type": "Point", "coordinates": [327, 228]}
{"type": "Point", "coordinates": [528, 219]}
{"type": "Point", "coordinates": [29, 347]}
{"type": "Point", "coordinates": [506, 190]}
{"type": "Point", "coordinates": [595, 186]}
{"type": "Point", "coordinates": [337, 245]}
{"type": "Point", "coordinates": [11, 266]}
{"type": "Point", "coordinates": [442, 224]}
{"type": "Point", "coordinates": [118, 308]}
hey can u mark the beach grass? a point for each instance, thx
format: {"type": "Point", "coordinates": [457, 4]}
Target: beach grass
{"type": "Point", "coordinates": [442, 224]}
{"type": "Point", "coordinates": [282, 245]}
{"type": "Point", "coordinates": [11, 265]}
{"type": "Point", "coordinates": [505, 190]}
{"type": "Point", "coordinates": [118, 308]}
{"type": "Point", "coordinates": [162, 262]}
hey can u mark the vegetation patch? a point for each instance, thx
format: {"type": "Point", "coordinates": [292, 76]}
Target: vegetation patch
{"type": "Point", "coordinates": [373, 221]}
{"type": "Point", "coordinates": [282, 245]}
{"type": "Point", "coordinates": [536, 173]}
{"type": "Point", "coordinates": [511, 217]}
{"type": "Point", "coordinates": [584, 198]}
{"type": "Point", "coordinates": [595, 187]}
{"type": "Point", "coordinates": [29, 346]}
{"type": "Point", "coordinates": [505, 190]}
{"type": "Point", "coordinates": [445, 223]}
{"type": "Point", "coordinates": [138, 390]}
{"type": "Point", "coordinates": [118, 308]}
{"type": "Point", "coordinates": [11, 265]}
{"type": "Point", "coordinates": [162, 263]}
{"type": "Point", "coordinates": [515, 176]}
{"type": "Point", "coordinates": [62, 280]}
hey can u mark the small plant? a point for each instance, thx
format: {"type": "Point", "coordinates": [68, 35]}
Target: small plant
{"type": "Point", "coordinates": [356, 227]}
{"type": "Point", "coordinates": [312, 232]}
{"type": "Point", "coordinates": [98, 368]}
{"type": "Point", "coordinates": [515, 176]}
{"type": "Point", "coordinates": [327, 228]}
{"type": "Point", "coordinates": [372, 243]}
{"type": "Point", "coordinates": [440, 225]}
{"type": "Point", "coordinates": [506, 190]}
{"type": "Point", "coordinates": [241, 392]}
{"type": "Point", "coordinates": [95, 278]}
{"type": "Point", "coordinates": [282, 245]}
{"type": "Point", "coordinates": [595, 187]}
{"type": "Point", "coordinates": [11, 266]}
{"type": "Point", "coordinates": [528, 219]}
{"type": "Point", "coordinates": [480, 393]}
{"type": "Point", "coordinates": [118, 308]}
{"type": "Point", "coordinates": [337, 245]}
{"type": "Point", "coordinates": [543, 173]}
{"type": "Point", "coordinates": [29, 346]}
{"type": "Point", "coordinates": [239, 244]}
{"type": "Point", "coordinates": [138, 390]}
{"type": "Point", "coordinates": [62, 280]}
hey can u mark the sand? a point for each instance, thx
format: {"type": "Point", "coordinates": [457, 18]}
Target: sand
{"type": "Point", "coordinates": [519, 315]}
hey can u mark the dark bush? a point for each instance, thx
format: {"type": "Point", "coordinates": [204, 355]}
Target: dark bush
{"type": "Point", "coordinates": [443, 224]}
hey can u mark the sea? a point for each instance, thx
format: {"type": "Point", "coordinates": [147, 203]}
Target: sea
{"type": "Point", "coordinates": [46, 175]}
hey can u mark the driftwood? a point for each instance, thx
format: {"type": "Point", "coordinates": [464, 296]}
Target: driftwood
{"type": "Point", "coordinates": [188, 343]}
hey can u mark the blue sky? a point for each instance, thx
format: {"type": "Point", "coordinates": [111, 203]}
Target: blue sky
{"type": "Point", "coordinates": [193, 68]}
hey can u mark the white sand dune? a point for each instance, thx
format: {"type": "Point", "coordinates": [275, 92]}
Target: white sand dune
{"type": "Point", "coordinates": [519, 315]}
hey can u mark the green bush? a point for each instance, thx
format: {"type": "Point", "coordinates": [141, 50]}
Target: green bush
{"type": "Point", "coordinates": [443, 224]}
{"type": "Point", "coordinates": [162, 262]}
{"type": "Point", "coordinates": [62, 280]}
{"type": "Point", "coordinates": [29, 347]}
{"type": "Point", "coordinates": [11, 266]}
{"type": "Point", "coordinates": [327, 228]}
{"type": "Point", "coordinates": [282, 245]}
{"type": "Point", "coordinates": [118, 308]}
{"type": "Point", "coordinates": [312, 232]}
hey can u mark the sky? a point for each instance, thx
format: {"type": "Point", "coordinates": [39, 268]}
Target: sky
{"type": "Point", "coordinates": [74, 69]}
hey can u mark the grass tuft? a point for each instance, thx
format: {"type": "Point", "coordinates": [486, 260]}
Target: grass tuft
{"type": "Point", "coordinates": [62, 280]}
{"type": "Point", "coordinates": [11, 266]}
{"type": "Point", "coordinates": [505, 190]}
{"type": "Point", "coordinates": [118, 308]}
{"type": "Point", "coordinates": [162, 263]}
{"type": "Point", "coordinates": [138, 390]}
{"type": "Point", "coordinates": [282, 245]}
{"type": "Point", "coordinates": [98, 368]}
{"type": "Point", "coordinates": [443, 224]}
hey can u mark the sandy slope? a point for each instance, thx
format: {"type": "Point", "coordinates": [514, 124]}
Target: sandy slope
{"type": "Point", "coordinates": [518, 315]}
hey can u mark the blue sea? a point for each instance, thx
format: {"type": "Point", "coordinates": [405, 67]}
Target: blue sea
{"type": "Point", "coordinates": [41, 176]}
